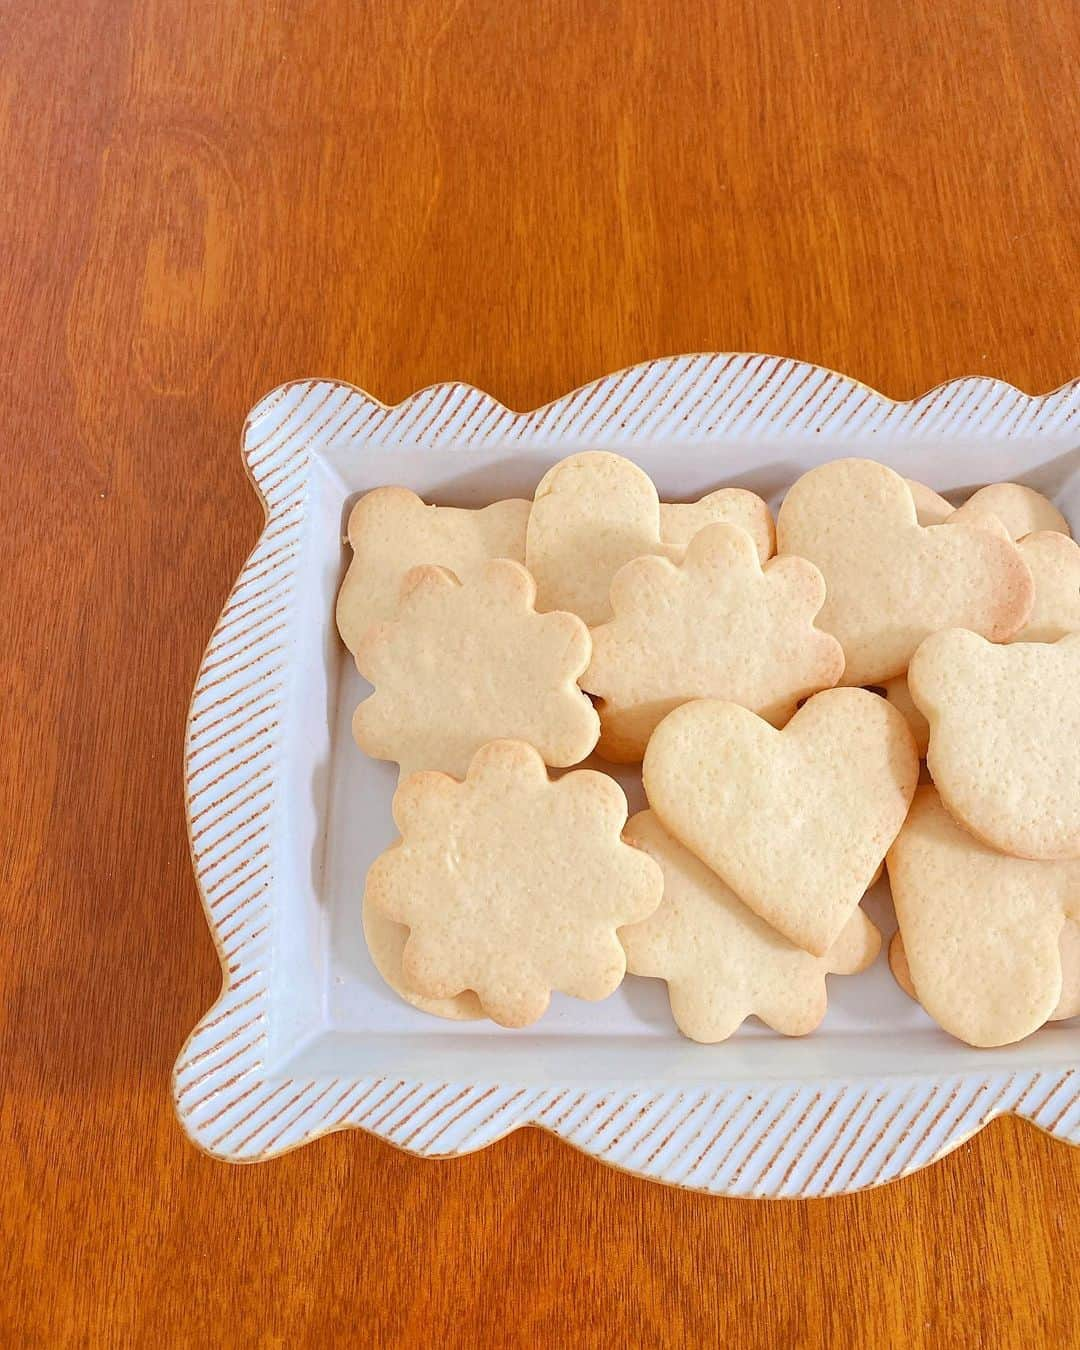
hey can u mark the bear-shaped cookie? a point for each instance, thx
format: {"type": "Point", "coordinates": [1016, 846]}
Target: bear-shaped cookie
{"type": "Point", "coordinates": [1005, 738]}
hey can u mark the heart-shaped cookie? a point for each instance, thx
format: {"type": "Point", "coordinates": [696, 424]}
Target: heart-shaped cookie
{"type": "Point", "coordinates": [595, 511]}
{"type": "Point", "coordinates": [1005, 738]}
{"type": "Point", "coordinates": [981, 931]}
{"type": "Point", "coordinates": [795, 821]}
{"type": "Point", "coordinates": [890, 581]}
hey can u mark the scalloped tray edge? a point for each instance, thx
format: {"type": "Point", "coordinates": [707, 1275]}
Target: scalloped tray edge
{"type": "Point", "coordinates": [771, 1139]}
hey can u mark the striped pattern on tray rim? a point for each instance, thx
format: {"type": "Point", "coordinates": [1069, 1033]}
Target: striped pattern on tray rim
{"type": "Point", "coordinates": [770, 1139]}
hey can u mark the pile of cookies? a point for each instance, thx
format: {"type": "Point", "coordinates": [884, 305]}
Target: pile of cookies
{"type": "Point", "coordinates": [779, 685]}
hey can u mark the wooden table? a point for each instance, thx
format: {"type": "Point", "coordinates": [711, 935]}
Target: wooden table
{"type": "Point", "coordinates": [203, 200]}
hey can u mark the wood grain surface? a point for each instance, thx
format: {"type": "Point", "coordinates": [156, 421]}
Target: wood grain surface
{"type": "Point", "coordinates": [201, 200]}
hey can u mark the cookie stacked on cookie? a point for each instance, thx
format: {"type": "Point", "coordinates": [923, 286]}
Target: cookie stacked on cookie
{"type": "Point", "coordinates": [732, 660]}
{"type": "Point", "coordinates": [984, 872]}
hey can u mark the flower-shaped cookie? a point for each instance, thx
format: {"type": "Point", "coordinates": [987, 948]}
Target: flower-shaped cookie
{"type": "Point", "coordinates": [391, 531]}
{"type": "Point", "coordinates": [890, 581]}
{"type": "Point", "coordinates": [795, 821]}
{"type": "Point", "coordinates": [981, 931]}
{"type": "Point", "coordinates": [464, 663]}
{"type": "Point", "coordinates": [386, 945]}
{"type": "Point", "coordinates": [513, 885]}
{"type": "Point", "coordinates": [717, 625]}
{"type": "Point", "coordinates": [721, 962]}
{"type": "Point", "coordinates": [595, 511]}
{"type": "Point", "coordinates": [1005, 738]}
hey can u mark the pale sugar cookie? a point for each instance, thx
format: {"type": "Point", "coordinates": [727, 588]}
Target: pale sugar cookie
{"type": "Point", "coordinates": [717, 625]}
{"type": "Point", "coordinates": [513, 885]}
{"type": "Point", "coordinates": [1054, 562]}
{"type": "Point", "coordinates": [386, 943]}
{"type": "Point", "coordinates": [595, 511]}
{"type": "Point", "coordinates": [464, 663]}
{"type": "Point", "coordinates": [1005, 738]}
{"type": "Point", "coordinates": [391, 531]}
{"type": "Point", "coordinates": [1020, 509]}
{"type": "Point", "coordinates": [899, 695]}
{"type": "Point", "coordinates": [721, 962]}
{"type": "Point", "coordinates": [681, 521]}
{"type": "Point", "coordinates": [1068, 1005]}
{"type": "Point", "coordinates": [890, 581]}
{"type": "Point", "coordinates": [981, 931]}
{"type": "Point", "coordinates": [930, 506]}
{"type": "Point", "coordinates": [796, 821]}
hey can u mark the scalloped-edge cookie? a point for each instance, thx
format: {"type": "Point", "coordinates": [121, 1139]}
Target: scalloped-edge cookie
{"type": "Point", "coordinates": [1020, 509]}
{"type": "Point", "coordinates": [721, 962]}
{"type": "Point", "coordinates": [595, 511]}
{"type": "Point", "coordinates": [1054, 562]}
{"type": "Point", "coordinates": [1068, 1005]}
{"type": "Point", "coordinates": [392, 531]}
{"type": "Point", "coordinates": [716, 625]}
{"type": "Point", "coordinates": [512, 884]}
{"type": "Point", "coordinates": [468, 662]}
{"type": "Point", "coordinates": [1005, 738]}
{"type": "Point", "coordinates": [931, 508]}
{"type": "Point", "coordinates": [981, 931]}
{"type": "Point", "coordinates": [794, 821]}
{"type": "Point", "coordinates": [890, 581]}
{"type": "Point", "coordinates": [386, 943]}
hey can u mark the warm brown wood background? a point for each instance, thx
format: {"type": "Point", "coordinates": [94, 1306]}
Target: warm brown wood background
{"type": "Point", "coordinates": [204, 198]}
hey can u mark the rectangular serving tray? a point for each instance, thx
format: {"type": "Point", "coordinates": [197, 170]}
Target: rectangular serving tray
{"type": "Point", "coordinates": [285, 814]}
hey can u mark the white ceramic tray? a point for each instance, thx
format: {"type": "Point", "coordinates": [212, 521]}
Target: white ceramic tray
{"type": "Point", "coordinates": [285, 815]}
